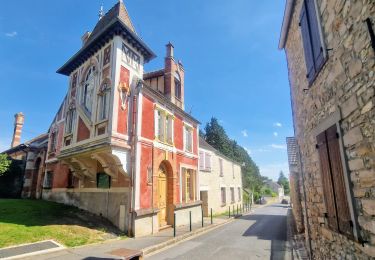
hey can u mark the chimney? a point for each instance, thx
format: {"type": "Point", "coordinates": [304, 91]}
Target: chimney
{"type": "Point", "coordinates": [170, 50]}
{"type": "Point", "coordinates": [85, 37]}
{"type": "Point", "coordinates": [18, 123]}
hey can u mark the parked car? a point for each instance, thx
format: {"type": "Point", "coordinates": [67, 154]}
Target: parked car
{"type": "Point", "coordinates": [284, 201]}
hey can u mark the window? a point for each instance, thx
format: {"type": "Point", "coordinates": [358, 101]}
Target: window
{"type": "Point", "coordinates": [103, 181]}
{"type": "Point", "coordinates": [53, 141]}
{"type": "Point", "coordinates": [223, 196]}
{"type": "Point", "coordinates": [239, 194]}
{"type": "Point", "coordinates": [335, 194]}
{"type": "Point", "coordinates": [232, 194]}
{"type": "Point", "coordinates": [48, 178]}
{"type": "Point", "coordinates": [188, 185]}
{"type": "Point", "coordinates": [88, 89]}
{"type": "Point", "coordinates": [70, 118]}
{"type": "Point", "coordinates": [164, 126]}
{"type": "Point", "coordinates": [70, 180]}
{"type": "Point", "coordinates": [177, 85]}
{"type": "Point", "coordinates": [221, 167]}
{"type": "Point", "coordinates": [103, 104]}
{"type": "Point", "coordinates": [204, 161]}
{"type": "Point", "coordinates": [188, 139]}
{"type": "Point", "coordinates": [312, 41]}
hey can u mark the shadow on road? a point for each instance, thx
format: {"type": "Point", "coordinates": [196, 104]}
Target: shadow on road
{"type": "Point", "coordinates": [271, 227]}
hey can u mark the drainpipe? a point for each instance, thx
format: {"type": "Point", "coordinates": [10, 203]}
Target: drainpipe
{"type": "Point", "coordinates": [304, 198]}
{"type": "Point", "coordinates": [132, 165]}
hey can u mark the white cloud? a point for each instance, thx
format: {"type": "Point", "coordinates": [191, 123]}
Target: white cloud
{"type": "Point", "coordinates": [272, 170]}
{"type": "Point", "coordinates": [275, 134]}
{"type": "Point", "coordinates": [248, 150]}
{"type": "Point", "coordinates": [11, 34]}
{"type": "Point", "coordinates": [277, 124]}
{"type": "Point", "coordinates": [244, 133]}
{"type": "Point", "coordinates": [278, 146]}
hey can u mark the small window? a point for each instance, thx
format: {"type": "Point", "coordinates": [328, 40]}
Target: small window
{"type": "Point", "coordinates": [103, 181]}
{"type": "Point", "coordinates": [103, 104]}
{"type": "Point", "coordinates": [221, 167]}
{"type": "Point", "coordinates": [207, 161]}
{"type": "Point", "coordinates": [70, 119]}
{"type": "Point", "coordinates": [312, 42]}
{"type": "Point", "coordinates": [177, 85]}
{"type": "Point", "coordinates": [53, 141]}
{"type": "Point", "coordinates": [48, 180]}
{"type": "Point", "coordinates": [223, 196]}
{"type": "Point", "coordinates": [201, 160]}
{"type": "Point", "coordinates": [232, 194]}
{"type": "Point", "coordinates": [70, 180]}
{"type": "Point", "coordinates": [189, 189]}
{"type": "Point", "coordinates": [188, 139]}
{"type": "Point", "coordinates": [88, 89]}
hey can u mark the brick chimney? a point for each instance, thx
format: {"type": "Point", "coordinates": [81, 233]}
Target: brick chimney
{"type": "Point", "coordinates": [18, 123]}
{"type": "Point", "coordinates": [172, 71]}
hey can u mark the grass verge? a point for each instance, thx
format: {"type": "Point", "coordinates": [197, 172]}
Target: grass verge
{"type": "Point", "coordinates": [27, 221]}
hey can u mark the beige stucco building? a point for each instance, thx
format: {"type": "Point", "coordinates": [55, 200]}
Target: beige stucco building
{"type": "Point", "coordinates": [220, 181]}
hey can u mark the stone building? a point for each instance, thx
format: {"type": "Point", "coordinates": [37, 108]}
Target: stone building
{"type": "Point", "coordinates": [220, 181]}
{"type": "Point", "coordinates": [330, 51]}
{"type": "Point", "coordinates": [121, 145]}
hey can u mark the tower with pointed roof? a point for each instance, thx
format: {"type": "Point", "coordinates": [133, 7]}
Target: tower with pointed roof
{"type": "Point", "coordinates": [119, 146]}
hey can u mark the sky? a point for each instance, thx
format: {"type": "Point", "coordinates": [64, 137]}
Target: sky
{"type": "Point", "coordinates": [229, 49]}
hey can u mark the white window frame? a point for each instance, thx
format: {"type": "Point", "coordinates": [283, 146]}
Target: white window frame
{"type": "Point", "coordinates": [167, 139]}
{"type": "Point", "coordinates": [191, 129]}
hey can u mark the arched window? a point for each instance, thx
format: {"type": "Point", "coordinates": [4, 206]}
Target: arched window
{"type": "Point", "coordinates": [103, 104]}
{"type": "Point", "coordinates": [88, 89]}
{"type": "Point", "coordinates": [177, 85]}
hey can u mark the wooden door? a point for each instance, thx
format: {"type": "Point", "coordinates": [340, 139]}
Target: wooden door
{"type": "Point", "coordinates": [162, 193]}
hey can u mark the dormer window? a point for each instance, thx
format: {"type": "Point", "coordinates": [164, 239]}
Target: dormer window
{"type": "Point", "coordinates": [88, 89]}
{"type": "Point", "coordinates": [177, 85]}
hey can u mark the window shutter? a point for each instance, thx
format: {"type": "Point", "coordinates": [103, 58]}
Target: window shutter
{"type": "Point", "coordinates": [317, 47]}
{"type": "Point", "coordinates": [343, 213]}
{"type": "Point", "coordinates": [329, 196]}
{"type": "Point", "coordinates": [201, 160]}
{"type": "Point", "coordinates": [208, 161]}
{"type": "Point", "coordinates": [307, 45]}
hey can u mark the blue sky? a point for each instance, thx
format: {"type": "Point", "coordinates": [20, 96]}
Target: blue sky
{"type": "Point", "coordinates": [233, 69]}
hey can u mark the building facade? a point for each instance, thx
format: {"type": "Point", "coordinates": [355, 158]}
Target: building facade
{"type": "Point", "coordinates": [220, 181]}
{"type": "Point", "coordinates": [121, 145]}
{"type": "Point", "coordinates": [330, 51]}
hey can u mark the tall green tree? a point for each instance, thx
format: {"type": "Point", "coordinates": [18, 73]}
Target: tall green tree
{"type": "Point", "coordinates": [4, 163]}
{"type": "Point", "coordinates": [216, 136]}
{"type": "Point", "coordinates": [284, 182]}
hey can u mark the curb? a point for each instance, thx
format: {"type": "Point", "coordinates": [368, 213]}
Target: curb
{"type": "Point", "coordinates": [153, 249]}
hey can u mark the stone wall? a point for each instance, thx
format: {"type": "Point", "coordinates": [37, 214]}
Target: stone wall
{"type": "Point", "coordinates": [344, 85]}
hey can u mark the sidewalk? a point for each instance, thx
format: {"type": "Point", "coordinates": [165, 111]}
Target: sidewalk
{"type": "Point", "coordinates": [147, 244]}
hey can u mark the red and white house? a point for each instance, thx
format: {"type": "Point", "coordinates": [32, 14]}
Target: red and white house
{"type": "Point", "coordinates": [121, 144]}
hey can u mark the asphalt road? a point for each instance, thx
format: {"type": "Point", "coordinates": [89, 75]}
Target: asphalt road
{"type": "Point", "coordinates": [259, 235]}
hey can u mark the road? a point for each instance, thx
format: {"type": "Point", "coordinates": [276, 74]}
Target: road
{"type": "Point", "coordinates": [259, 235]}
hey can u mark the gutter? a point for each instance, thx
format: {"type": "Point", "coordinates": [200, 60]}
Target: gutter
{"type": "Point", "coordinates": [289, 6]}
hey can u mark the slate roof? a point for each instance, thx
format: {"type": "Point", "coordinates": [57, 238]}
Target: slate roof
{"type": "Point", "coordinates": [292, 150]}
{"type": "Point", "coordinates": [204, 145]}
{"type": "Point", "coordinates": [115, 22]}
{"type": "Point", "coordinates": [153, 74]}
{"type": "Point", "coordinates": [34, 143]}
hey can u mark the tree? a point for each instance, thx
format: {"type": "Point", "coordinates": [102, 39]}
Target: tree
{"type": "Point", "coordinates": [216, 136]}
{"type": "Point", "coordinates": [284, 182]}
{"type": "Point", "coordinates": [4, 163]}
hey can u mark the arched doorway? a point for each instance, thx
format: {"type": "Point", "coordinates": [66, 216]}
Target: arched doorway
{"type": "Point", "coordinates": [162, 195]}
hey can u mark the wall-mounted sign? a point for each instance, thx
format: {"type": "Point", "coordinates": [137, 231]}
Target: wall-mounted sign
{"type": "Point", "coordinates": [130, 57]}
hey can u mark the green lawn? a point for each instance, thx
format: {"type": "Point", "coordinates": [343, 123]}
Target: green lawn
{"type": "Point", "coordinates": [26, 221]}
